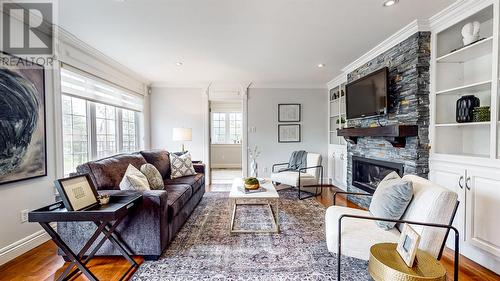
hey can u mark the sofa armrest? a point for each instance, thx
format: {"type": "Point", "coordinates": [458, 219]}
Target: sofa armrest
{"type": "Point", "coordinates": [199, 168]}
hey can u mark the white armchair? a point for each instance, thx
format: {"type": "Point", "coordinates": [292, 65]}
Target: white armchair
{"type": "Point", "coordinates": [308, 179]}
{"type": "Point", "coordinates": [352, 232]}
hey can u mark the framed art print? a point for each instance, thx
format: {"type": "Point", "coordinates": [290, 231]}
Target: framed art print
{"type": "Point", "coordinates": [289, 112]}
{"type": "Point", "coordinates": [408, 244]}
{"type": "Point", "coordinates": [77, 192]}
{"type": "Point", "coordinates": [22, 102]}
{"type": "Point", "coordinates": [288, 133]}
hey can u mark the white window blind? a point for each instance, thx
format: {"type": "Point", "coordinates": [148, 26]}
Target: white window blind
{"type": "Point", "coordinates": [86, 87]}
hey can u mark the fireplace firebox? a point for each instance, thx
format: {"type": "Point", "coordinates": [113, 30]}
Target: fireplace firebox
{"type": "Point", "coordinates": [367, 173]}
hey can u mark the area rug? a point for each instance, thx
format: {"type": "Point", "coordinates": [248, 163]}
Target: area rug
{"type": "Point", "coordinates": [204, 249]}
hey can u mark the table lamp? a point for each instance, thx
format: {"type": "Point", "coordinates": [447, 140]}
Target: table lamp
{"type": "Point", "coordinates": [182, 134]}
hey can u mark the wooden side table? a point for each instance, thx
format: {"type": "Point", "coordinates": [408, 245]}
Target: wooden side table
{"type": "Point", "coordinates": [386, 264]}
{"type": "Point", "coordinates": [106, 218]}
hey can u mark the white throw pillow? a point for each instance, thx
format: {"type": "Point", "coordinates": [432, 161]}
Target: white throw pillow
{"type": "Point", "coordinates": [181, 165]}
{"type": "Point", "coordinates": [134, 180]}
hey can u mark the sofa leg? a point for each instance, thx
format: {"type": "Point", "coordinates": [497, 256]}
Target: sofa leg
{"type": "Point", "coordinates": [151, 258]}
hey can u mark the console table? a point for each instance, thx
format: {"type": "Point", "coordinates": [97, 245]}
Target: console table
{"type": "Point", "coordinates": [106, 217]}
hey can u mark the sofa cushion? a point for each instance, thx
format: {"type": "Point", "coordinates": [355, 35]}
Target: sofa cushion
{"type": "Point", "coordinates": [134, 180]}
{"type": "Point", "coordinates": [357, 235]}
{"type": "Point", "coordinates": [178, 196]}
{"type": "Point", "coordinates": [181, 166]}
{"type": "Point", "coordinates": [390, 200]}
{"type": "Point", "coordinates": [107, 173]}
{"type": "Point", "coordinates": [153, 175]}
{"type": "Point", "coordinates": [194, 181]}
{"type": "Point", "coordinates": [160, 159]}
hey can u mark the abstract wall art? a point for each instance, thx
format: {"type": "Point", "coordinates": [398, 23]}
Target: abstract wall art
{"type": "Point", "coordinates": [22, 120]}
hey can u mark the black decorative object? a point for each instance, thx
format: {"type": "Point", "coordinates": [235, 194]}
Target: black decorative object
{"type": "Point", "coordinates": [22, 115]}
{"type": "Point", "coordinates": [465, 107]}
{"type": "Point", "coordinates": [77, 192]}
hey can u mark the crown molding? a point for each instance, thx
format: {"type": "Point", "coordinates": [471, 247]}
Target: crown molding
{"type": "Point", "coordinates": [458, 10]}
{"type": "Point", "coordinates": [337, 80]}
{"type": "Point", "coordinates": [193, 85]}
{"type": "Point", "coordinates": [72, 50]}
{"type": "Point", "coordinates": [287, 86]}
{"type": "Point", "coordinates": [396, 38]}
{"type": "Point", "coordinates": [220, 86]}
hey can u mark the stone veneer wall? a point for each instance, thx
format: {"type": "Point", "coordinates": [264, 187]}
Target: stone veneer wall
{"type": "Point", "coordinates": [408, 64]}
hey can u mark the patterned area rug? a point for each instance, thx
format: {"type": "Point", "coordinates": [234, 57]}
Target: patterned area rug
{"type": "Point", "coordinates": [204, 250]}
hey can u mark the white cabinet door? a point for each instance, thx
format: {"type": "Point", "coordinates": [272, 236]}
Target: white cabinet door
{"type": "Point", "coordinates": [453, 178]}
{"type": "Point", "coordinates": [483, 209]}
{"type": "Point", "coordinates": [340, 167]}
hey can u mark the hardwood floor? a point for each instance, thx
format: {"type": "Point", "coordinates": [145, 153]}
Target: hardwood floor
{"type": "Point", "coordinates": [43, 263]}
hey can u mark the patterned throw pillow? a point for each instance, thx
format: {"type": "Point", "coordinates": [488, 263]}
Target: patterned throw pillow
{"type": "Point", "coordinates": [153, 175]}
{"type": "Point", "coordinates": [134, 180]}
{"type": "Point", "coordinates": [181, 166]}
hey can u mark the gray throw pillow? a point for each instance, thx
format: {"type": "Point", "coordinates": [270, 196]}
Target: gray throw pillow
{"type": "Point", "coordinates": [153, 175]}
{"type": "Point", "coordinates": [390, 200]}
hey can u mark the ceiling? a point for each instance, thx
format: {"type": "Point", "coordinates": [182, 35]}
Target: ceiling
{"type": "Point", "coordinates": [260, 41]}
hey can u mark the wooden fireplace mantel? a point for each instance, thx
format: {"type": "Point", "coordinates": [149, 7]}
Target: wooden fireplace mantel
{"type": "Point", "coordinates": [395, 134]}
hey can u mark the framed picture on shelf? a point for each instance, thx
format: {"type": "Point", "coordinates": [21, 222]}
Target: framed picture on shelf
{"type": "Point", "coordinates": [289, 112]}
{"type": "Point", "coordinates": [408, 244]}
{"type": "Point", "coordinates": [288, 133]}
{"type": "Point", "coordinates": [77, 192]}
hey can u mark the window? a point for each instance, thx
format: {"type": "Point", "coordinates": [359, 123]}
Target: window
{"type": "Point", "coordinates": [96, 128]}
{"type": "Point", "coordinates": [129, 135]}
{"type": "Point", "coordinates": [226, 127]}
{"type": "Point", "coordinates": [75, 132]}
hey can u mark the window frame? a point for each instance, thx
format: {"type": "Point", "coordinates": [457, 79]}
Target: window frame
{"type": "Point", "coordinates": [227, 127]}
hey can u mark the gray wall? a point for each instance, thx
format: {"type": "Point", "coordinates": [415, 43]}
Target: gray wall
{"type": "Point", "coordinates": [263, 115]}
{"type": "Point", "coordinates": [408, 64]}
{"type": "Point", "coordinates": [177, 107]}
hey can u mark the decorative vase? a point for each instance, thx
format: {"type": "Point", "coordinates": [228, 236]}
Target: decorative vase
{"type": "Point", "coordinates": [465, 108]}
{"type": "Point", "coordinates": [470, 32]}
{"type": "Point", "coordinates": [253, 169]}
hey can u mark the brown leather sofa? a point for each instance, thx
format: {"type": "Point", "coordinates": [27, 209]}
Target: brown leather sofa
{"type": "Point", "coordinates": [161, 214]}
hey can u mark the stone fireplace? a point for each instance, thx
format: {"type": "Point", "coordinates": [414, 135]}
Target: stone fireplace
{"type": "Point", "coordinates": [368, 173]}
{"type": "Point", "coordinates": [408, 104]}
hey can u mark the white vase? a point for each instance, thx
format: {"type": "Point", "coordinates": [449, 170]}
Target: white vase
{"type": "Point", "coordinates": [470, 32]}
{"type": "Point", "coordinates": [253, 169]}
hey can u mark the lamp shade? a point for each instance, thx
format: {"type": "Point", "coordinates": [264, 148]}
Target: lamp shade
{"type": "Point", "coordinates": [182, 134]}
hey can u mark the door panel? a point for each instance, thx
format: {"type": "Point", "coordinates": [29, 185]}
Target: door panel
{"type": "Point", "coordinates": [483, 209]}
{"type": "Point", "coordinates": [451, 177]}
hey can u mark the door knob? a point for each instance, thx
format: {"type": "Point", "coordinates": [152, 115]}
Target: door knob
{"type": "Point", "coordinates": [467, 183]}
{"type": "Point", "coordinates": [460, 182]}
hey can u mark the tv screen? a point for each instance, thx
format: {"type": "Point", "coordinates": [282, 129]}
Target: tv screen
{"type": "Point", "coordinates": [367, 96]}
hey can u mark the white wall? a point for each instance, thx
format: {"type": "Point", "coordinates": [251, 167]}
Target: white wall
{"type": "Point", "coordinates": [177, 107]}
{"type": "Point", "coordinates": [263, 115]}
{"type": "Point", "coordinates": [17, 237]}
{"type": "Point", "coordinates": [225, 156]}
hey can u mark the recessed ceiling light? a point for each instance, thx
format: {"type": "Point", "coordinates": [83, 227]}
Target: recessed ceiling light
{"type": "Point", "coordinates": [321, 65]}
{"type": "Point", "coordinates": [389, 3]}
{"type": "Point", "coordinates": [178, 63]}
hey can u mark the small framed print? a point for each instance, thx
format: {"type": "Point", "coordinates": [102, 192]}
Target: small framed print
{"type": "Point", "coordinates": [77, 192]}
{"type": "Point", "coordinates": [408, 244]}
{"type": "Point", "coordinates": [288, 133]}
{"type": "Point", "coordinates": [289, 112]}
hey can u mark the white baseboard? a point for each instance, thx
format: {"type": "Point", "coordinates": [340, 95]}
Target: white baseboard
{"type": "Point", "coordinates": [226, 166]}
{"type": "Point", "coordinates": [22, 246]}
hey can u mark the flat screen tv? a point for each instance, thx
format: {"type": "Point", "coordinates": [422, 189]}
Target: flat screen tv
{"type": "Point", "coordinates": [367, 96]}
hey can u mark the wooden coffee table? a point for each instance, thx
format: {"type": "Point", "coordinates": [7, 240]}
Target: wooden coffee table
{"type": "Point", "coordinates": [269, 198]}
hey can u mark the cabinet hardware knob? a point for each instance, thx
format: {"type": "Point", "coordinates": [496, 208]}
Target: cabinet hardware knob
{"type": "Point", "coordinates": [460, 182]}
{"type": "Point", "coordinates": [467, 183]}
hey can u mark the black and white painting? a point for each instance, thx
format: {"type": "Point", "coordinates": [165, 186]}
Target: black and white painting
{"type": "Point", "coordinates": [22, 120]}
{"type": "Point", "coordinates": [288, 133]}
{"type": "Point", "coordinates": [289, 112]}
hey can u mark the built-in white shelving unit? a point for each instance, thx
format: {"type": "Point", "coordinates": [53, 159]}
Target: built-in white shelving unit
{"type": "Point", "coordinates": [337, 113]}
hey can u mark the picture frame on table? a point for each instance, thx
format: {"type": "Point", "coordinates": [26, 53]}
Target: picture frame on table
{"type": "Point", "coordinates": [288, 133]}
{"type": "Point", "coordinates": [408, 244]}
{"type": "Point", "coordinates": [289, 112]}
{"type": "Point", "coordinates": [77, 192]}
